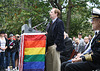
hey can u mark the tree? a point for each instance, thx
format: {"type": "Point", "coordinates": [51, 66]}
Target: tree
{"type": "Point", "coordinates": [68, 16]}
{"type": "Point", "coordinates": [74, 13]}
{"type": "Point", "coordinates": [15, 13]}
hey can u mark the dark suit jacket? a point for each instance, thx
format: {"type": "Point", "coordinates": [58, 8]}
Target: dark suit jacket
{"type": "Point", "coordinates": [95, 46]}
{"type": "Point", "coordinates": [66, 54]}
{"type": "Point", "coordinates": [57, 34]}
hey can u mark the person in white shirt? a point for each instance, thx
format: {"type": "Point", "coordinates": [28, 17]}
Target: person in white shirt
{"type": "Point", "coordinates": [3, 46]}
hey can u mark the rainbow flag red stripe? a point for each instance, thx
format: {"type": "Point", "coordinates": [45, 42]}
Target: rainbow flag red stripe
{"type": "Point", "coordinates": [33, 52]}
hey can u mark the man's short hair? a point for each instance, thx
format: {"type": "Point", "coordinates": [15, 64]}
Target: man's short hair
{"type": "Point", "coordinates": [2, 32]}
{"type": "Point", "coordinates": [57, 11]}
{"type": "Point", "coordinates": [80, 34]}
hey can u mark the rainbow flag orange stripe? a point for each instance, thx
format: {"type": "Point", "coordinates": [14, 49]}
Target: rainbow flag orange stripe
{"type": "Point", "coordinates": [34, 44]}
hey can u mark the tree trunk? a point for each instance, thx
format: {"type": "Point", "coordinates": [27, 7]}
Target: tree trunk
{"type": "Point", "coordinates": [61, 13]}
{"type": "Point", "coordinates": [68, 16]}
{"type": "Point", "coordinates": [56, 4]}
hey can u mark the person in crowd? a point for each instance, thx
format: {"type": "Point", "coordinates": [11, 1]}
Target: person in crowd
{"type": "Point", "coordinates": [6, 36]}
{"type": "Point", "coordinates": [11, 51]}
{"type": "Point", "coordinates": [90, 37]}
{"type": "Point", "coordinates": [3, 47]}
{"type": "Point", "coordinates": [82, 49]}
{"type": "Point", "coordinates": [73, 40]}
{"type": "Point", "coordinates": [55, 41]}
{"type": "Point", "coordinates": [82, 44]}
{"type": "Point", "coordinates": [88, 50]}
{"type": "Point", "coordinates": [66, 54]}
{"type": "Point", "coordinates": [76, 45]}
{"type": "Point", "coordinates": [87, 46]}
{"type": "Point", "coordinates": [81, 39]}
{"type": "Point", "coordinates": [17, 45]}
{"type": "Point", "coordinates": [88, 62]}
{"type": "Point", "coordinates": [86, 40]}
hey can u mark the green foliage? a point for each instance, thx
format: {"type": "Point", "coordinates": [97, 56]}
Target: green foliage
{"type": "Point", "coordinates": [15, 13]}
{"type": "Point", "coordinates": [80, 15]}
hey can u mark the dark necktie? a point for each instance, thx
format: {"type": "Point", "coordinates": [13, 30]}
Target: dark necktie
{"type": "Point", "coordinates": [52, 22]}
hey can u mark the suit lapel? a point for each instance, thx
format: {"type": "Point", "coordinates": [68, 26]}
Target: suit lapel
{"type": "Point", "coordinates": [95, 39]}
{"type": "Point", "coordinates": [54, 24]}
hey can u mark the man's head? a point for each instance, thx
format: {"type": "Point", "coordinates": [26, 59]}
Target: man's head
{"type": "Point", "coordinates": [2, 33]}
{"type": "Point", "coordinates": [74, 38]}
{"type": "Point", "coordinates": [90, 37]}
{"type": "Point", "coordinates": [65, 35]}
{"type": "Point", "coordinates": [77, 41]}
{"type": "Point", "coordinates": [54, 13]}
{"type": "Point", "coordinates": [96, 19]}
{"type": "Point", "coordinates": [5, 35]}
{"type": "Point", "coordinates": [11, 36]}
{"type": "Point", "coordinates": [17, 36]}
{"type": "Point", "coordinates": [80, 35]}
{"type": "Point", "coordinates": [86, 39]}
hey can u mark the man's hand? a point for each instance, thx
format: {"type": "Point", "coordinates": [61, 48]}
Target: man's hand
{"type": "Point", "coordinates": [76, 60]}
{"type": "Point", "coordinates": [11, 47]}
{"type": "Point", "coordinates": [3, 49]}
{"type": "Point", "coordinates": [78, 55]}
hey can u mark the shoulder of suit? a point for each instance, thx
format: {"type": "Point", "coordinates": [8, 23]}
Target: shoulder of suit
{"type": "Point", "coordinates": [98, 39]}
{"type": "Point", "coordinates": [58, 19]}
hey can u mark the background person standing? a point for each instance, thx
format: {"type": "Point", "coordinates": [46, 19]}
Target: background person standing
{"type": "Point", "coordinates": [3, 47]}
{"type": "Point", "coordinates": [11, 51]}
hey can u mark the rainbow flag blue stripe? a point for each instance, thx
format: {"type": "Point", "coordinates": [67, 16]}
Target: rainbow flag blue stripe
{"type": "Point", "coordinates": [34, 65]}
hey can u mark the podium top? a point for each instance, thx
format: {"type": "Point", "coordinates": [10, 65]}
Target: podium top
{"type": "Point", "coordinates": [33, 34]}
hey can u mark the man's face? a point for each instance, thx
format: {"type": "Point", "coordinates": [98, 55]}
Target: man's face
{"type": "Point", "coordinates": [79, 36]}
{"type": "Point", "coordinates": [86, 40]}
{"type": "Point", "coordinates": [11, 37]}
{"type": "Point", "coordinates": [90, 37]}
{"type": "Point", "coordinates": [74, 38]}
{"type": "Point", "coordinates": [18, 37]}
{"type": "Point", "coordinates": [96, 24]}
{"type": "Point", "coordinates": [5, 35]}
{"type": "Point", "coordinates": [2, 35]}
{"type": "Point", "coordinates": [52, 14]}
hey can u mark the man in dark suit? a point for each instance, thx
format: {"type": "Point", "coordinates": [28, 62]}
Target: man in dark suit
{"type": "Point", "coordinates": [66, 54]}
{"type": "Point", "coordinates": [88, 62]}
{"type": "Point", "coordinates": [55, 41]}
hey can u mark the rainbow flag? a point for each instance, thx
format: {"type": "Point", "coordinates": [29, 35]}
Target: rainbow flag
{"type": "Point", "coordinates": [33, 52]}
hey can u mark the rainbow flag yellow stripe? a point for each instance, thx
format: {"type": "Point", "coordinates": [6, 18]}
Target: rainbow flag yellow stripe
{"type": "Point", "coordinates": [34, 51]}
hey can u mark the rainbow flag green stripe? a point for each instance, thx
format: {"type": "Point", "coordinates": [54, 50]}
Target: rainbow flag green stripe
{"type": "Point", "coordinates": [34, 58]}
